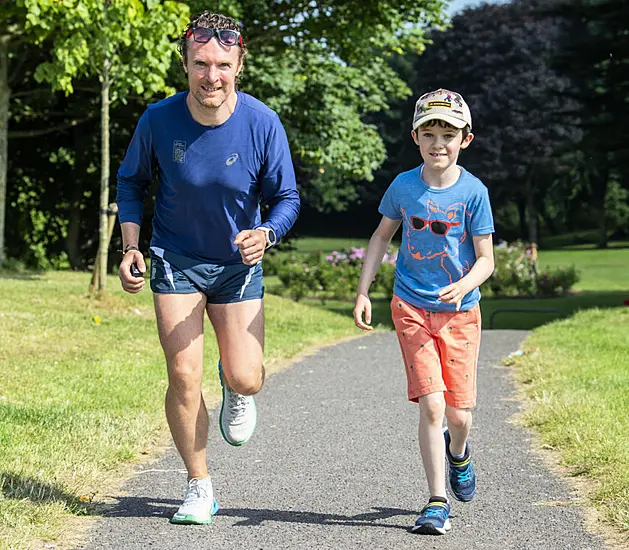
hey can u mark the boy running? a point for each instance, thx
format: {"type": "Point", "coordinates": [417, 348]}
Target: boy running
{"type": "Point", "coordinates": [445, 255]}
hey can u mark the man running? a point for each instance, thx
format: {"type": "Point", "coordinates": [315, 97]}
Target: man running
{"type": "Point", "coordinates": [217, 153]}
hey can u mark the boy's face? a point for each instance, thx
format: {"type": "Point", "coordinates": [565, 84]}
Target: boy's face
{"type": "Point", "coordinates": [440, 146]}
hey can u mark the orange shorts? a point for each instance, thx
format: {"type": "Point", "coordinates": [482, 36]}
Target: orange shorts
{"type": "Point", "coordinates": [440, 351]}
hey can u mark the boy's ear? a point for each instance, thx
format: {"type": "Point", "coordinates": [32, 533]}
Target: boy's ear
{"type": "Point", "coordinates": [415, 137]}
{"type": "Point", "coordinates": [468, 139]}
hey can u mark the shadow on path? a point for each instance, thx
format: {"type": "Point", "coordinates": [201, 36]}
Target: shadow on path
{"type": "Point", "coordinates": [151, 507]}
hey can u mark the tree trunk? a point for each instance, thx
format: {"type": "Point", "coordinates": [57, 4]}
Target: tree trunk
{"type": "Point", "coordinates": [601, 194]}
{"type": "Point", "coordinates": [74, 236]}
{"type": "Point", "coordinates": [103, 242]}
{"type": "Point", "coordinates": [112, 216]}
{"type": "Point", "coordinates": [521, 203]}
{"type": "Point", "coordinates": [5, 94]}
{"type": "Point", "coordinates": [531, 208]}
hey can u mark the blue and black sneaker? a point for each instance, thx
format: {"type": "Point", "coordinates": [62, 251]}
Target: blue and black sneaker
{"type": "Point", "coordinates": [434, 519]}
{"type": "Point", "coordinates": [461, 473]}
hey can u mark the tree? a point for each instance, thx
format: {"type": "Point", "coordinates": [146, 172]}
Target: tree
{"type": "Point", "coordinates": [498, 56]}
{"type": "Point", "coordinates": [128, 44]}
{"type": "Point", "coordinates": [323, 67]}
{"type": "Point", "coordinates": [595, 56]}
{"type": "Point", "coordinates": [13, 35]}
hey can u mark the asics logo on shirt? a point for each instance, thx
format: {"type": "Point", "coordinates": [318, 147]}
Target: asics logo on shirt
{"type": "Point", "coordinates": [231, 159]}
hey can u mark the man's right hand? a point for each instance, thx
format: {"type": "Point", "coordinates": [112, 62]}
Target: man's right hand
{"type": "Point", "coordinates": [130, 283]}
{"type": "Point", "coordinates": [363, 305]}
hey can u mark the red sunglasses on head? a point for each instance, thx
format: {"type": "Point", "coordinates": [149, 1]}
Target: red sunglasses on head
{"type": "Point", "coordinates": [436, 226]}
{"type": "Point", "coordinates": [227, 37]}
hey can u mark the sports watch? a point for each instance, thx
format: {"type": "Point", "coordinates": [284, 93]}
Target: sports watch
{"type": "Point", "coordinates": [271, 238]}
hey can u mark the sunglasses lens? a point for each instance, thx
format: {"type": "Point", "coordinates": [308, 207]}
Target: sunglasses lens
{"type": "Point", "coordinates": [202, 34]}
{"type": "Point", "coordinates": [439, 228]}
{"type": "Point", "coordinates": [418, 223]}
{"type": "Point", "coordinates": [227, 37]}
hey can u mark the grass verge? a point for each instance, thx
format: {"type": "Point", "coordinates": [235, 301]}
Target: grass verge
{"type": "Point", "coordinates": [82, 382]}
{"type": "Point", "coordinates": [575, 375]}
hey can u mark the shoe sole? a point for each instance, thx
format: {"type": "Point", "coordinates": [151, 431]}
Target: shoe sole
{"type": "Point", "coordinates": [220, 416]}
{"type": "Point", "coordinates": [192, 520]}
{"type": "Point", "coordinates": [430, 529]}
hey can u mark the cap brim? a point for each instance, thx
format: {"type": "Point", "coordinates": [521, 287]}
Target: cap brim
{"type": "Point", "coordinates": [456, 122]}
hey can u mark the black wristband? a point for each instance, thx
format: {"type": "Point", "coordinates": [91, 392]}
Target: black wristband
{"type": "Point", "coordinates": [129, 247]}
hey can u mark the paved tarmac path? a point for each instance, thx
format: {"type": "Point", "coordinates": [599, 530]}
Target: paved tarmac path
{"type": "Point", "coordinates": [334, 464]}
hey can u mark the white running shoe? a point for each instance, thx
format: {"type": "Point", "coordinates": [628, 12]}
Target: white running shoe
{"type": "Point", "coordinates": [198, 504]}
{"type": "Point", "coordinates": [238, 416]}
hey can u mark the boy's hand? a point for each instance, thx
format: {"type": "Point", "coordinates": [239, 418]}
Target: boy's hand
{"type": "Point", "coordinates": [452, 294]}
{"type": "Point", "coordinates": [363, 305]}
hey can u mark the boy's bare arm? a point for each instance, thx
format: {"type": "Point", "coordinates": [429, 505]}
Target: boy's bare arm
{"type": "Point", "coordinates": [480, 272]}
{"type": "Point", "coordinates": [378, 245]}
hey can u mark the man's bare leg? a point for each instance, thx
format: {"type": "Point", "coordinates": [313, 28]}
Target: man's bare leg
{"type": "Point", "coordinates": [180, 328]}
{"type": "Point", "coordinates": [239, 330]}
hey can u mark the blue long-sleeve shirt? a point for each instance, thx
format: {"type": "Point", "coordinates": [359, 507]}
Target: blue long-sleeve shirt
{"type": "Point", "coordinates": [211, 179]}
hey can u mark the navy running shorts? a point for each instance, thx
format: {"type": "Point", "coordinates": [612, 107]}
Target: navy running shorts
{"type": "Point", "coordinates": [222, 284]}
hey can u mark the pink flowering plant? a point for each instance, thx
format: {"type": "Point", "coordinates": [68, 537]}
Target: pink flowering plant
{"type": "Point", "coordinates": [516, 274]}
{"type": "Point", "coordinates": [329, 276]}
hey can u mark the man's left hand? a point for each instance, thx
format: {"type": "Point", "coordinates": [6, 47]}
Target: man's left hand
{"type": "Point", "coordinates": [252, 244]}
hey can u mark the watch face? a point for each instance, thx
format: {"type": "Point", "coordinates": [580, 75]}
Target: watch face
{"type": "Point", "coordinates": [271, 237]}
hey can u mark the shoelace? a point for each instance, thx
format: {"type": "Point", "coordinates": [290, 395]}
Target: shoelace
{"type": "Point", "coordinates": [194, 491]}
{"type": "Point", "coordinates": [430, 511]}
{"type": "Point", "coordinates": [463, 476]}
{"type": "Point", "coordinates": [237, 404]}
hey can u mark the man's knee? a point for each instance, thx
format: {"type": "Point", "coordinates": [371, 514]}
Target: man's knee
{"type": "Point", "coordinates": [249, 383]}
{"type": "Point", "coordinates": [184, 378]}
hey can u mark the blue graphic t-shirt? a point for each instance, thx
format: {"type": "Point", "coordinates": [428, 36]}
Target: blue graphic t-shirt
{"type": "Point", "coordinates": [437, 228]}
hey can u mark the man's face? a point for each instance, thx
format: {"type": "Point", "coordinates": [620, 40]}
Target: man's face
{"type": "Point", "coordinates": [439, 146]}
{"type": "Point", "coordinates": [212, 69]}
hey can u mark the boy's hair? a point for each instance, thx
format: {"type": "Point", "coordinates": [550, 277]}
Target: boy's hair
{"type": "Point", "coordinates": [210, 20]}
{"type": "Point", "coordinates": [443, 124]}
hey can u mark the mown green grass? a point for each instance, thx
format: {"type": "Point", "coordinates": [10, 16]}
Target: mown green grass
{"type": "Point", "coordinates": [328, 244]}
{"type": "Point", "coordinates": [575, 374]}
{"type": "Point", "coordinates": [82, 382]}
{"type": "Point", "coordinates": [600, 270]}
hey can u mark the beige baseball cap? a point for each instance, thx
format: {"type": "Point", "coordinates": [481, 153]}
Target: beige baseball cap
{"type": "Point", "coordinates": [442, 105]}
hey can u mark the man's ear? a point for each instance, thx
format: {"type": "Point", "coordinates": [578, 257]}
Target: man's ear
{"type": "Point", "coordinates": [468, 139]}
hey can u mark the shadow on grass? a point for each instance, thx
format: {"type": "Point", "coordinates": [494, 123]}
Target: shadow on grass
{"type": "Point", "coordinates": [17, 487]}
{"type": "Point", "coordinates": [527, 320]}
{"type": "Point", "coordinates": [148, 507]}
